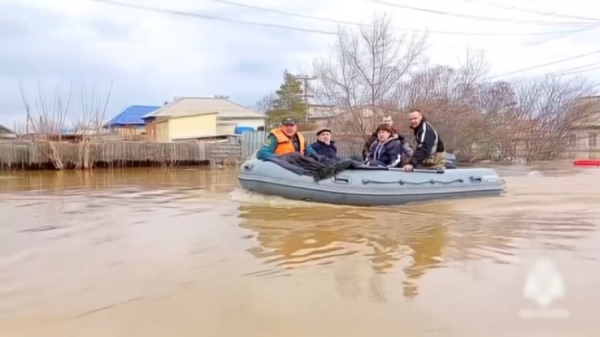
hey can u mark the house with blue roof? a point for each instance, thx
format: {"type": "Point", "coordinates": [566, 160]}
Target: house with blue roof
{"type": "Point", "coordinates": [129, 121]}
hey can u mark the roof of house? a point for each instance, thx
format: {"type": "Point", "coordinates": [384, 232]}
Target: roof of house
{"type": "Point", "coordinates": [192, 106]}
{"type": "Point", "coordinates": [132, 115]}
{"type": "Point", "coordinates": [5, 129]}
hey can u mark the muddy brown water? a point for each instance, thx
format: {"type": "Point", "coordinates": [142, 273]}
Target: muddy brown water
{"type": "Point", "coordinates": [187, 253]}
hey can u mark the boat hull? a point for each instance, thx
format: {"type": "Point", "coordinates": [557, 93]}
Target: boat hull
{"type": "Point", "coordinates": [370, 187]}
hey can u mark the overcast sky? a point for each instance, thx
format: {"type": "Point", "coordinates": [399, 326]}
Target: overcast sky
{"type": "Point", "coordinates": [152, 57]}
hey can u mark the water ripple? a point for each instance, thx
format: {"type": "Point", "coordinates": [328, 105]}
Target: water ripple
{"type": "Point", "coordinates": [115, 249]}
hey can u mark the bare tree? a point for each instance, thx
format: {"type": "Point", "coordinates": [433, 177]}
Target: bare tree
{"type": "Point", "coordinates": [450, 98]}
{"type": "Point", "coordinates": [49, 119]}
{"type": "Point", "coordinates": [92, 113]}
{"type": "Point", "coordinates": [46, 122]}
{"type": "Point", "coordinates": [89, 123]}
{"type": "Point", "coordinates": [265, 104]}
{"type": "Point", "coordinates": [371, 72]}
{"type": "Point", "coordinates": [364, 71]}
{"type": "Point", "coordinates": [550, 109]}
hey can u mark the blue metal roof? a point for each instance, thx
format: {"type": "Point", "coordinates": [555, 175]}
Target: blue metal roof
{"type": "Point", "coordinates": [131, 116]}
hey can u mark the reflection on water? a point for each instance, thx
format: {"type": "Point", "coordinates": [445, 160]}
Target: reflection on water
{"type": "Point", "coordinates": [290, 238]}
{"type": "Point", "coordinates": [187, 253]}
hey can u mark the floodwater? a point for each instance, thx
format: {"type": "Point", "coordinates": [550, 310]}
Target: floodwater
{"type": "Point", "coordinates": [187, 253]}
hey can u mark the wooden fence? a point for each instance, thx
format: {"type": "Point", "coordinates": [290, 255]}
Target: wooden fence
{"type": "Point", "coordinates": [17, 154]}
{"type": "Point", "coordinates": [26, 154]}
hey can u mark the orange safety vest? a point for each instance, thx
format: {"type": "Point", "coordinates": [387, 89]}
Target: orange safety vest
{"type": "Point", "coordinates": [284, 143]}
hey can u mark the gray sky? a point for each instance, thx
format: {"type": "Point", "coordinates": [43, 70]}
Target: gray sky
{"type": "Point", "coordinates": [153, 57]}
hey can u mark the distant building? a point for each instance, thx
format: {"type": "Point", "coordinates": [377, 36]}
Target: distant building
{"type": "Point", "coordinates": [129, 122]}
{"type": "Point", "coordinates": [583, 137]}
{"type": "Point", "coordinates": [6, 133]}
{"type": "Point", "coordinates": [189, 118]}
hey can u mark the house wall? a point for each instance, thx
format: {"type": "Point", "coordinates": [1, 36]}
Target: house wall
{"type": "Point", "coordinates": [151, 131]}
{"type": "Point", "coordinates": [192, 126]}
{"type": "Point", "coordinates": [255, 123]}
{"type": "Point", "coordinates": [162, 131]}
{"type": "Point", "coordinates": [224, 129]}
{"type": "Point", "coordinates": [6, 133]}
{"type": "Point", "coordinates": [585, 143]}
{"type": "Point", "coordinates": [129, 131]}
{"type": "Point", "coordinates": [228, 126]}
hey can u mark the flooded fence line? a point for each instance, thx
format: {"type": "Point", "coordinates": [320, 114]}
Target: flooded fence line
{"type": "Point", "coordinates": [16, 155]}
{"type": "Point", "coordinates": [55, 155]}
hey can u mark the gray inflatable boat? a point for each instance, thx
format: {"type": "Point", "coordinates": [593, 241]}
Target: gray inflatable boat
{"type": "Point", "coordinates": [369, 187]}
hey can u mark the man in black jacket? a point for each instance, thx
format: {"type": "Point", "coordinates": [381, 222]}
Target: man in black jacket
{"type": "Point", "coordinates": [430, 150]}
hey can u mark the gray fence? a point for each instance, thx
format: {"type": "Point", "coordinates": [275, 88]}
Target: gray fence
{"type": "Point", "coordinates": [347, 146]}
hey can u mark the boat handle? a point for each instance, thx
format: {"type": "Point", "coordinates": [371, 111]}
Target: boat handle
{"type": "Point", "coordinates": [341, 180]}
{"type": "Point", "coordinates": [248, 167]}
{"type": "Point", "coordinates": [475, 179]}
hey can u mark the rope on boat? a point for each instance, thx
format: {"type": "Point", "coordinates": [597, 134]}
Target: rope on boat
{"type": "Point", "coordinates": [404, 182]}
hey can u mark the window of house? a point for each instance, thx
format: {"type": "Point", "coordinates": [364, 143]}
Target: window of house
{"type": "Point", "coordinates": [592, 140]}
{"type": "Point", "coordinates": [572, 140]}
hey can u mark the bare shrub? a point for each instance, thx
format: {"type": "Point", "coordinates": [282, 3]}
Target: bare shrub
{"type": "Point", "coordinates": [549, 110]}
{"type": "Point", "coordinates": [49, 119]}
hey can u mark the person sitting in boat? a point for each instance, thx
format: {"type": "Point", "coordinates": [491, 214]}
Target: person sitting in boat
{"type": "Point", "coordinates": [386, 150]}
{"type": "Point", "coordinates": [407, 151]}
{"type": "Point", "coordinates": [324, 145]}
{"type": "Point", "coordinates": [430, 152]}
{"type": "Point", "coordinates": [283, 140]}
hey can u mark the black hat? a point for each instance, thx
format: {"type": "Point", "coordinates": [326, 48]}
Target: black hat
{"type": "Point", "coordinates": [289, 121]}
{"type": "Point", "coordinates": [320, 131]}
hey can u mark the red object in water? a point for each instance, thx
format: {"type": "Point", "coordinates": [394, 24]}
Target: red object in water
{"type": "Point", "coordinates": [587, 162]}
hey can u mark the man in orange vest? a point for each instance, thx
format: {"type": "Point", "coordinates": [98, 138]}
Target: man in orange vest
{"type": "Point", "coordinates": [283, 140]}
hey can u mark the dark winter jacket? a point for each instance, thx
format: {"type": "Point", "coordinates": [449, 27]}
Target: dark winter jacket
{"type": "Point", "coordinates": [329, 151]}
{"type": "Point", "coordinates": [428, 142]}
{"type": "Point", "coordinates": [372, 139]}
{"type": "Point", "coordinates": [407, 151]}
{"type": "Point", "coordinates": [388, 153]}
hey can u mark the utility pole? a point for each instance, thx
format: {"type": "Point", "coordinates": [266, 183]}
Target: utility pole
{"type": "Point", "coordinates": [306, 96]}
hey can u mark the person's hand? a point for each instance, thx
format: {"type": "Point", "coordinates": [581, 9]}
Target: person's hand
{"type": "Point", "coordinates": [408, 168]}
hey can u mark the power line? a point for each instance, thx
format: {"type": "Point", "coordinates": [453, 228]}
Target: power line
{"type": "Point", "coordinates": [548, 64]}
{"type": "Point", "coordinates": [475, 17]}
{"type": "Point", "coordinates": [532, 11]}
{"type": "Point", "coordinates": [209, 17]}
{"type": "Point", "coordinates": [568, 71]}
{"type": "Point", "coordinates": [365, 25]}
{"type": "Point", "coordinates": [596, 21]}
{"type": "Point", "coordinates": [566, 34]}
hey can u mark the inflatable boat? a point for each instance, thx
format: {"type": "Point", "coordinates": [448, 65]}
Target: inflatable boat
{"type": "Point", "coordinates": [370, 186]}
